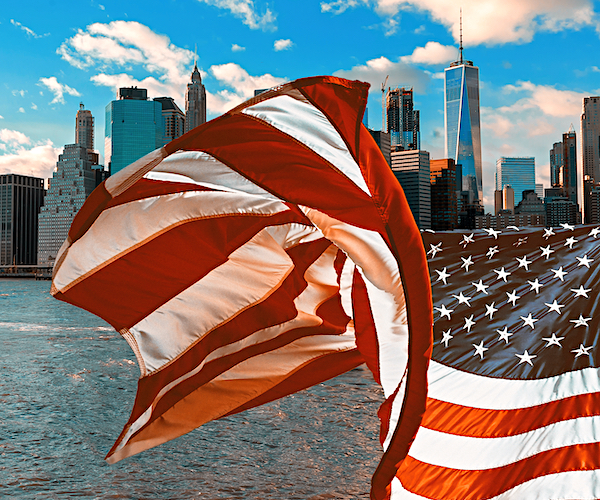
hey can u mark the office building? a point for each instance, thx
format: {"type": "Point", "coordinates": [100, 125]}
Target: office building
{"type": "Point", "coordinates": [195, 101]}
{"type": "Point", "coordinates": [173, 119]}
{"type": "Point", "coordinates": [556, 163]}
{"type": "Point", "coordinates": [21, 198]}
{"type": "Point", "coordinates": [569, 168]}
{"type": "Point", "coordinates": [518, 173]}
{"type": "Point", "coordinates": [402, 120]}
{"type": "Point", "coordinates": [462, 126]}
{"type": "Point", "coordinates": [503, 220]}
{"type": "Point", "coordinates": [412, 170]}
{"type": "Point", "coordinates": [508, 199]}
{"type": "Point", "coordinates": [532, 204]}
{"type": "Point", "coordinates": [590, 145]}
{"type": "Point", "coordinates": [444, 209]}
{"type": "Point", "coordinates": [383, 141]}
{"type": "Point", "coordinates": [84, 128]}
{"type": "Point", "coordinates": [134, 128]}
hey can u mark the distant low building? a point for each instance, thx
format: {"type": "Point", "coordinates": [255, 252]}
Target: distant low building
{"type": "Point", "coordinates": [502, 221]}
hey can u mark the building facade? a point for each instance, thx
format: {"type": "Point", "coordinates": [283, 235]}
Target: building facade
{"type": "Point", "coordinates": [21, 198]}
{"type": "Point", "coordinates": [590, 145]}
{"type": "Point", "coordinates": [412, 170]}
{"type": "Point", "coordinates": [517, 172]}
{"type": "Point", "coordinates": [195, 101]}
{"type": "Point", "coordinates": [556, 163]}
{"type": "Point", "coordinates": [402, 120]}
{"type": "Point", "coordinates": [173, 119]}
{"type": "Point", "coordinates": [569, 169]}
{"type": "Point", "coordinates": [462, 125]}
{"type": "Point", "coordinates": [383, 141]}
{"type": "Point", "coordinates": [133, 128]}
{"type": "Point", "coordinates": [444, 208]}
{"type": "Point", "coordinates": [84, 128]}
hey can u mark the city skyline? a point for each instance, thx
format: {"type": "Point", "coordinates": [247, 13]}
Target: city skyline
{"type": "Point", "coordinates": [533, 64]}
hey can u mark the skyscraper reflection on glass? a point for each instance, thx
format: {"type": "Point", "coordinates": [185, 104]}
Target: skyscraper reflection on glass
{"type": "Point", "coordinates": [461, 117]}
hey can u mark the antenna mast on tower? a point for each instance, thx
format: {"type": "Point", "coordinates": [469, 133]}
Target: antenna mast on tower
{"type": "Point", "coordinates": [383, 107]}
{"type": "Point", "coordinates": [460, 48]}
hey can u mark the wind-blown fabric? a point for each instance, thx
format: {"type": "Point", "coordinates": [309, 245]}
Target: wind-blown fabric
{"type": "Point", "coordinates": [514, 384]}
{"type": "Point", "coordinates": [261, 253]}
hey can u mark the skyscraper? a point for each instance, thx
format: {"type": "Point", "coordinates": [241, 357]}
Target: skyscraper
{"type": "Point", "coordinates": [173, 119]}
{"type": "Point", "coordinates": [134, 127]}
{"type": "Point", "coordinates": [556, 163]}
{"type": "Point", "coordinates": [84, 128]}
{"type": "Point", "coordinates": [569, 170]}
{"type": "Point", "coordinates": [402, 119]}
{"type": "Point", "coordinates": [412, 170]}
{"type": "Point", "coordinates": [590, 144]}
{"type": "Point", "coordinates": [195, 101]}
{"type": "Point", "coordinates": [444, 209]}
{"type": "Point", "coordinates": [462, 124]}
{"type": "Point", "coordinates": [517, 172]}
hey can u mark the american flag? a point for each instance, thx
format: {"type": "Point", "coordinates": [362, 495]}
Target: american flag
{"type": "Point", "coordinates": [261, 253]}
{"type": "Point", "coordinates": [513, 409]}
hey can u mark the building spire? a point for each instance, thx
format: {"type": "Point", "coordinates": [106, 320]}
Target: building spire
{"type": "Point", "coordinates": [460, 48]}
{"type": "Point", "coordinates": [195, 55]}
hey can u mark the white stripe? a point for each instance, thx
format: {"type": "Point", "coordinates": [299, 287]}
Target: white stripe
{"type": "Point", "coordinates": [448, 384]}
{"type": "Point", "coordinates": [119, 229]}
{"type": "Point", "coordinates": [203, 169]}
{"type": "Point", "coordinates": [307, 124]}
{"type": "Point", "coordinates": [470, 453]}
{"type": "Point", "coordinates": [581, 485]}
{"type": "Point", "coordinates": [248, 276]}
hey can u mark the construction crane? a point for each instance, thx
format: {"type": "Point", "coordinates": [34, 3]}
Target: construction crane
{"type": "Point", "coordinates": [383, 127]}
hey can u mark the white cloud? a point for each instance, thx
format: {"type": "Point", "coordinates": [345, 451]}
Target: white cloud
{"type": "Point", "coordinates": [33, 105]}
{"type": "Point", "coordinates": [246, 11]}
{"type": "Point", "coordinates": [1, 117]}
{"type": "Point", "coordinates": [339, 6]}
{"type": "Point", "coordinates": [237, 48]}
{"type": "Point", "coordinates": [58, 89]}
{"type": "Point", "coordinates": [432, 53]}
{"type": "Point", "coordinates": [282, 44]}
{"type": "Point", "coordinates": [20, 156]}
{"type": "Point", "coordinates": [547, 99]}
{"type": "Point", "coordinates": [29, 32]}
{"type": "Point", "coordinates": [21, 110]}
{"type": "Point", "coordinates": [101, 7]}
{"type": "Point", "coordinates": [19, 92]}
{"type": "Point", "coordinates": [243, 85]}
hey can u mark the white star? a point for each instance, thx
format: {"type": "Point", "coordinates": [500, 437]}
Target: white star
{"type": "Point", "coordinates": [584, 261]}
{"type": "Point", "coordinates": [491, 251]}
{"type": "Point", "coordinates": [524, 262]}
{"type": "Point", "coordinates": [520, 241]}
{"type": "Point", "coordinates": [434, 249]}
{"type": "Point", "coordinates": [513, 297]}
{"type": "Point", "coordinates": [555, 306]}
{"type": "Point", "coordinates": [554, 340]}
{"type": "Point", "coordinates": [490, 309]}
{"type": "Point", "coordinates": [559, 273]}
{"type": "Point", "coordinates": [581, 292]}
{"type": "Point", "coordinates": [467, 262]}
{"type": "Point", "coordinates": [529, 320]}
{"type": "Point", "coordinates": [595, 232]}
{"type": "Point", "coordinates": [548, 232]}
{"type": "Point", "coordinates": [535, 285]}
{"type": "Point", "coordinates": [469, 323]}
{"type": "Point", "coordinates": [466, 240]}
{"type": "Point", "coordinates": [546, 251]}
{"type": "Point", "coordinates": [582, 351]}
{"type": "Point", "coordinates": [570, 241]}
{"type": "Point", "coordinates": [479, 349]}
{"type": "Point", "coordinates": [504, 334]}
{"type": "Point", "coordinates": [442, 276]}
{"type": "Point", "coordinates": [492, 232]}
{"type": "Point", "coordinates": [445, 312]}
{"type": "Point", "coordinates": [568, 226]}
{"type": "Point", "coordinates": [446, 338]}
{"type": "Point", "coordinates": [514, 228]}
{"type": "Point", "coordinates": [525, 357]}
{"type": "Point", "coordinates": [462, 299]}
{"type": "Point", "coordinates": [502, 274]}
{"type": "Point", "coordinates": [581, 321]}
{"type": "Point", "coordinates": [481, 287]}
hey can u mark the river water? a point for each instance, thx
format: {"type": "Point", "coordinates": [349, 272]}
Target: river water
{"type": "Point", "coordinates": [67, 385]}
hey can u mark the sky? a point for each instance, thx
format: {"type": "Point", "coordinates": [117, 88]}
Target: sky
{"type": "Point", "coordinates": [537, 59]}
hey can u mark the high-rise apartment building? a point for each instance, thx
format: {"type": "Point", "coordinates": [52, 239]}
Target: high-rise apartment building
{"type": "Point", "coordinates": [173, 119]}
{"type": "Point", "coordinates": [556, 163]}
{"type": "Point", "coordinates": [462, 125]}
{"type": "Point", "coordinates": [569, 169]}
{"type": "Point", "coordinates": [84, 128]}
{"type": "Point", "coordinates": [517, 172]}
{"type": "Point", "coordinates": [133, 128]}
{"type": "Point", "coordinates": [412, 170]}
{"type": "Point", "coordinates": [444, 209]}
{"type": "Point", "coordinates": [195, 101]}
{"type": "Point", "coordinates": [21, 197]}
{"type": "Point", "coordinates": [402, 120]}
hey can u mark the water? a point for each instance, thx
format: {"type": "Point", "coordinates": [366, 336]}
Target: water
{"type": "Point", "coordinates": [67, 385]}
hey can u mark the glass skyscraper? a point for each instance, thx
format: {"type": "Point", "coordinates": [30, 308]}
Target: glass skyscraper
{"type": "Point", "coordinates": [518, 173]}
{"type": "Point", "coordinates": [462, 124]}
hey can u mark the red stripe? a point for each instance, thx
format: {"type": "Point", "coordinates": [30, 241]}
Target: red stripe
{"type": "Point", "coordinates": [128, 289]}
{"type": "Point", "coordinates": [436, 482]}
{"type": "Point", "coordinates": [476, 422]}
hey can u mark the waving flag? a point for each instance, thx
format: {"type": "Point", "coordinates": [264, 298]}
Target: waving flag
{"type": "Point", "coordinates": [514, 386]}
{"type": "Point", "coordinates": [259, 254]}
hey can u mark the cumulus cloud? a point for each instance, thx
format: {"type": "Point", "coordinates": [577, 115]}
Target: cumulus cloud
{"type": "Point", "coordinates": [21, 156]}
{"type": "Point", "coordinates": [237, 48]}
{"type": "Point", "coordinates": [246, 11]}
{"type": "Point", "coordinates": [547, 99]}
{"type": "Point", "coordinates": [282, 44]}
{"type": "Point", "coordinates": [432, 53]}
{"type": "Point", "coordinates": [58, 89]}
{"type": "Point", "coordinates": [241, 83]}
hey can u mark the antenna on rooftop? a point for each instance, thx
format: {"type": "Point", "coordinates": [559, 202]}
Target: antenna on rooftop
{"type": "Point", "coordinates": [460, 48]}
{"type": "Point", "coordinates": [195, 54]}
{"type": "Point", "coordinates": [383, 104]}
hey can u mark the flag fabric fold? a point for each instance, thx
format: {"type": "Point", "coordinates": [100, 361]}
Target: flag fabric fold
{"type": "Point", "coordinates": [513, 408]}
{"type": "Point", "coordinates": [259, 254]}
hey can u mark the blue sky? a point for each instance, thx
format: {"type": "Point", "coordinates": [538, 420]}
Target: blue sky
{"type": "Point", "coordinates": [537, 60]}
